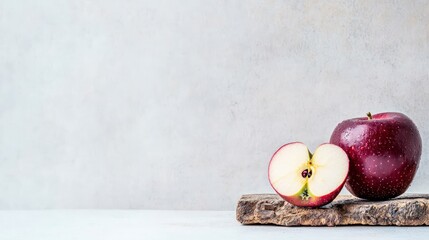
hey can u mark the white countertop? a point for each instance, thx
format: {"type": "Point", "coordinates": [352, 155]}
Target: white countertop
{"type": "Point", "coordinates": [148, 225]}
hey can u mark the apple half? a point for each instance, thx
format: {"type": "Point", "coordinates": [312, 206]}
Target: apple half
{"type": "Point", "coordinates": [307, 180]}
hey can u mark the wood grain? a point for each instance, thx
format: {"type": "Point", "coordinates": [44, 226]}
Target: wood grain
{"type": "Point", "coordinates": [406, 210]}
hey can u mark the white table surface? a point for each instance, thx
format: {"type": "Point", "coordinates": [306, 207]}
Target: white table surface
{"type": "Point", "coordinates": [147, 225]}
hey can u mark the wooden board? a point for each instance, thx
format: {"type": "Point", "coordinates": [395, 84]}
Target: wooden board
{"type": "Point", "coordinates": [406, 210]}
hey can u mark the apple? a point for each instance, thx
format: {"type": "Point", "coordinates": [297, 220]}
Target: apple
{"type": "Point", "coordinates": [384, 151]}
{"type": "Point", "coordinates": [307, 180]}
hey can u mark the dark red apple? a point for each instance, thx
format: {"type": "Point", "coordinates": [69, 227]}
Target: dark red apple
{"type": "Point", "coordinates": [384, 152]}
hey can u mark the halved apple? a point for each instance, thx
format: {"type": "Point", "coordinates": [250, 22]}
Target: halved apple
{"type": "Point", "coordinates": [307, 180]}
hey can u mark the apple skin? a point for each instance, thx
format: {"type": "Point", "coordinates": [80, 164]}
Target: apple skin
{"type": "Point", "coordinates": [314, 201]}
{"type": "Point", "coordinates": [384, 154]}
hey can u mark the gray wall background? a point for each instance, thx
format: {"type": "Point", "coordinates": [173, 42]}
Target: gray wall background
{"type": "Point", "coordinates": [180, 104]}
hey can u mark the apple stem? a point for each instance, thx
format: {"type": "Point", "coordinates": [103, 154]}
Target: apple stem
{"type": "Point", "coordinates": [369, 115]}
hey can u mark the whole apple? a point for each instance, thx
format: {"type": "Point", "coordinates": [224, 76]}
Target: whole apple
{"type": "Point", "coordinates": [384, 151]}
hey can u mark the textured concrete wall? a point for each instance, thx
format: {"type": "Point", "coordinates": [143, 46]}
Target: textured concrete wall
{"type": "Point", "coordinates": [180, 104]}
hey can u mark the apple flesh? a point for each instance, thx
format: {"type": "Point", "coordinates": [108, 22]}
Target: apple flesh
{"type": "Point", "coordinates": [384, 152]}
{"type": "Point", "coordinates": [307, 180]}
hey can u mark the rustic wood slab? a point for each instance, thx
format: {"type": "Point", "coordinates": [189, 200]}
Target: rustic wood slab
{"type": "Point", "coordinates": [406, 210]}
